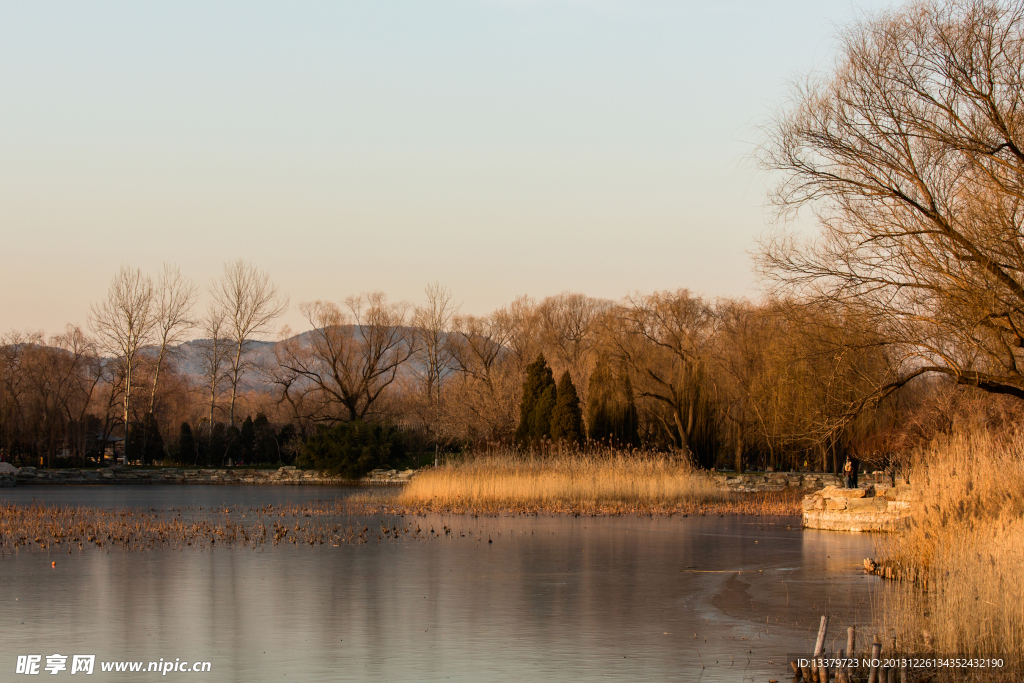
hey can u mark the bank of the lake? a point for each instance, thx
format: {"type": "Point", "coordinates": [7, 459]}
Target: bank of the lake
{"type": "Point", "coordinates": [236, 476]}
{"type": "Point", "coordinates": [589, 487]}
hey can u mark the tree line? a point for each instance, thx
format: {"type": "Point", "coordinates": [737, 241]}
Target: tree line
{"type": "Point", "coordinates": [728, 382]}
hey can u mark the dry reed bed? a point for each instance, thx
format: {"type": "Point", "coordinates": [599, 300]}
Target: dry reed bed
{"type": "Point", "coordinates": [614, 483]}
{"type": "Point", "coordinates": [60, 528]}
{"type": "Point", "coordinates": [966, 539]}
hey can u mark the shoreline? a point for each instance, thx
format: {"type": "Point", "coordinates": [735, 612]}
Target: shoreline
{"type": "Point", "coordinates": [173, 476]}
{"type": "Point", "coordinates": [753, 504]}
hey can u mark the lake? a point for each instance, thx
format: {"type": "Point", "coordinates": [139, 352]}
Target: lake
{"type": "Point", "coordinates": [500, 599]}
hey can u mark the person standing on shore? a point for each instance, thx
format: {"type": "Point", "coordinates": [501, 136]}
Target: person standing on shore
{"type": "Point", "coordinates": [848, 471]}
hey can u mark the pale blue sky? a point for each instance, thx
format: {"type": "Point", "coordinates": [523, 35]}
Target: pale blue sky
{"type": "Point", "coordinates": [500, 148]}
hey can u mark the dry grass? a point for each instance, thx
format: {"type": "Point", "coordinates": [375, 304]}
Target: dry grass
{"type": "Point", "coordinates": [65, 528]}
{"type": "Point", "coordinates": [606, 483]}
{"type": "Point", "coordinates": [966, 539]}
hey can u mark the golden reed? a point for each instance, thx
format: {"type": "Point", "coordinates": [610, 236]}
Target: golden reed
{"type": "Point", "coordinates": [605, 483]}
{"type": "Point", "coordinates": [966, 539]}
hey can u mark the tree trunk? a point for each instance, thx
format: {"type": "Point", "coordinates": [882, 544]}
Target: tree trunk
{"type": "Point", "coordinates": [739, 450]}
{"type": "Point", "coordinates": [156, 379]}
{"type": "Point", "coordinates": [684, 436]}
{"type": "Point", "coordinates": [234, 383]}
{"type": "Point", "coordinates": [127, 406]}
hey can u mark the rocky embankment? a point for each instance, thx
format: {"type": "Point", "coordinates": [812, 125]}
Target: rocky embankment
{"type": "Point", "coordinates": [8, 474]}
{"type": "Point", "coordinates": [872, 507]}
{"type": "Point", "coordinates": [30, 476]}
{"type": "Point", "coordinates": [760, 482]}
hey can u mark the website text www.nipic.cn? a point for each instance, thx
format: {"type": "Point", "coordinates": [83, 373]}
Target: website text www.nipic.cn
{"type": "Point", "coordinates": [30, 665]}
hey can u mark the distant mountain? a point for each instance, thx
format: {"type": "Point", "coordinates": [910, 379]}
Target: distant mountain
{"type": "Point", "coordinates": [188, 358]}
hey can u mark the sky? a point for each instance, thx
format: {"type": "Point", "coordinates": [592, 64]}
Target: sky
{"type": "Point", "coordinates": [496, 147]}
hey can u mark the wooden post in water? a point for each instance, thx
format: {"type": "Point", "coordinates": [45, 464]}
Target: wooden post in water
{"type": "Point", "coordinates": [851, 650]}
{"type": "Point", "coordinates": [876, 654]}
{"type": "Point", "coordinates": [819, 647]}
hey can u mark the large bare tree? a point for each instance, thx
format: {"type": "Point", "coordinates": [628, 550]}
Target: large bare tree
{"type": "Point", "coordinates": [213, 355]}
{"type": "Point", "coordinates": [432, 324]}
{"type": "Point", "coordinates": [251, 304]}
{"type": "Point", "coordinates": [124, 324]}
{"type": "Point", "coordinates": [569, 326]}
{"type": "Point", "coordinates": [910, 151]}
{"type": "Point", "coordinates": [175, 299]}
{"type": "Point", "coordinates": [340, 369]}
{"type": "Point", "coordinates": [664, 338]}
{"type": "Point", "coordinates": [485, 401]}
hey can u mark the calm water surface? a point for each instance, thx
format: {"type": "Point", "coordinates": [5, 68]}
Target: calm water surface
{"type": "Point", "coordinates": [547, 599]}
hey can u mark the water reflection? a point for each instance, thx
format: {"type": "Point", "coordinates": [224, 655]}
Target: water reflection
{"type": "Point", "coordinates": [521, 598]}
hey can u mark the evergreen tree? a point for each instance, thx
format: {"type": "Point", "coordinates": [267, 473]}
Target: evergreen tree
{"type": "Point", "coordinates": [247, 440]}
{"type": "Point", "coordinates": [352, 449]}
{"type": "Point", "coordinates": [144, 440]}
{"type": "Point", "coordinates": [186, 445]}
{"type": "Point", "coordinates": [567, 418]}
{"type": "Point", "coordinates": [538, 404]}
{"type": "Point", "coordinates": [266, 443]}
{"type": "Point", "coordinates": [213, 445]}
{"type": "Point", "coordinates": [288, 440]}
{"type": "Point", "coordinates": [611, 411]}
{"type": "Point", "coordinates": [231, 441]}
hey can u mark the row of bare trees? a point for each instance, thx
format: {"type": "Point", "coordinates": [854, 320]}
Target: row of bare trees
{"type": "Point", "coordinates": [70, 394]}
{"type": "Point", "coordinates": [777, 383]}
{"type": "Point", "coordinates": [725, 382]}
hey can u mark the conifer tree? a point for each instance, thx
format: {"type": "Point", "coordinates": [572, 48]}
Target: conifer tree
{"type": "Point", "coordinates": [186, 444]}
{"type": "Point", "coordinates": [266, 441]}
{"type": "Point", "coordinates": [567, 419]}
{"type": "Point", "coordinates": [540, 418]}
{"type": "Point", "coordinates": [247, 440]}
{"type": "Point", "coordinates": [144, 440]}
{"type": "Point", "coordinates": [538, 404]}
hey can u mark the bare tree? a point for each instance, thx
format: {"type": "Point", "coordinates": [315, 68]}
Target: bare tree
{"type": "Point", "coordinates": [432, 327]}
{"type": "Point", "coordinates": [910, 151]}
{"type": "Point", "coordinates": [664, 337]}
{"type": "Point", "coordinates": [485, 401]}
{"type": "Point", "coordinates": [213, 355]}
{"type": "Point", "coordinates": [84, 369]}
{"type": "Point", "coordinates": [175, 299]}
{"type": "Point", "coordinates": [124, 323]}
{"type": "Point", "coordinates": [250, 303]}
{"type": "Point", "coordinates": [351, 356]}
{"type": "Point", "coordinates": [522, 330]}
{"type": "Point", "coordinates": [569, 330]}
{"type": "Point", "coordinates": [432, 323]}
{"type": "Point", "coordinates": [743, 343]}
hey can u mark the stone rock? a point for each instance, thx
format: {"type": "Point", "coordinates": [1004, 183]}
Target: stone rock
{"type": "Point", "coordinates": [813, 503]}
{"type": "Point", "coordinates": [868, 504]}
